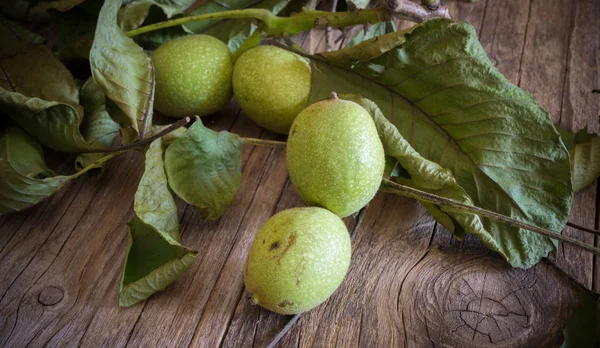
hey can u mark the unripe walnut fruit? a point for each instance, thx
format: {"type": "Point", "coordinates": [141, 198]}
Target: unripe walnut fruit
{"type": "Point", "coordinates": [297, 260]}
{"type": "Point", "coordinates": [272, 85]}
{"type": "Point", "coordinates": [193, 76]}
{"type": "Point", "coordinates": [335, 157]}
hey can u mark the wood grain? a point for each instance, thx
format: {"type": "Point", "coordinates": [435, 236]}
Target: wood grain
{"type": "Point", "coordinates": [410, 283]}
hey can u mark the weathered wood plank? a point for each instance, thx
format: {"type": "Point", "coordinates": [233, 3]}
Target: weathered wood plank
{"type": "Point", "coordinates": [544, 60]}
{"type": "Point", "coordinates": [503, 34]}
{"type": "Point", "coordinates": [579, 109]}
{"type": "Point", "coordinates": [547, 72]}
{"type": "Point", "coordinates": [472, 13]}
{"type": "Point", "coordinates": [410, 283]}
{"type": "Point", "coordinates": [68, 248]}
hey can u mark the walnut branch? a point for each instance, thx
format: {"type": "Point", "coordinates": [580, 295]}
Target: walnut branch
{"type": "Point", "coordinates": [414, 12]}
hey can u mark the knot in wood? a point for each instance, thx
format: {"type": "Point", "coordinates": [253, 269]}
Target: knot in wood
{"type": "Point", "coordinates": [50, 296]}
{"type": "Point", "coordinates": [488, 310]}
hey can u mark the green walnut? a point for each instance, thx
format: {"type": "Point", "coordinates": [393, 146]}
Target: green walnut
{"type": "Point", "coordinates": [334, 156]}
{"type": "Point", "coordinates": [193, 76]}
{"type": "Point", "coordinates": [297, 260]}
{"type": "Point", "coordinates": [272, 85]}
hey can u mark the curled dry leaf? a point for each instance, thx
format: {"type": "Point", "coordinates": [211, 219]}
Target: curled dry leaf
{"type": "Point", "coordinates": [98, 128]}
{"type": "Point", "coordinates": [25, 180]}
{"type": "Point", "coordinates": [123, 71]}
{"type": "Point", "coordinates": [38, 92]}
{"type": "Point", "coordinates": [154, 203]}
{"type": "Point", "coordinates": [155, 257]}
{"type": "Point", "coordinates": [154, 260]}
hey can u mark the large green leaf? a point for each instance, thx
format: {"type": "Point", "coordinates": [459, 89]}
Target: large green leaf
{"type": "Point", "coordinates": [204, 169]}
{"type": "Point", "coordinates": [38, 92]}
{"type": "Point", "coordinates": [585, 157]}
{"type": "Point", "coordinates": [154, 203]}
{"type": "Point", "coordinates": [429, 176]}
{"type": "Point", "coordinates": [24, 178]}
{"type": "Point", "coordinates": [449, 102]}
{"type": "Point", "coordinates": [98, 128]}
{"type": "Point", "coordinates": [122, 69]}
{"type": "Point", "coordinates": [154, 260]}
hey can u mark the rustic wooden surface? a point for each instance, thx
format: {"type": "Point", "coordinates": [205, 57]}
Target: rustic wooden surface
{"type": "Point", "coordinates": [410, 283]}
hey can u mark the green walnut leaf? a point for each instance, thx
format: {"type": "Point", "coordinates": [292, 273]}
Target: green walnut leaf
{"type": "Point", "coordinates": [123, 71]}
{"type": "Point", "coordinates": [154, 260]}
{"type": "Point", "coordinates": [446, 98]}
{"type": "Point", "coordinates": [98, 128]}
{"type": "Point", "coordinates": [38, 93]}
{"type": "Point", "coordinates": [585, 157]}
{"type": "Point", "coordinates": [204, 169]}
{"type": "Point", "coordinates": [25, 180]}
{"type": "Point", "coordinates": [154, 203]}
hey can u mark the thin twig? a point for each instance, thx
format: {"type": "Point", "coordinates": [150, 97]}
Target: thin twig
{"type": "Point", "coordinates": [358, 219]}
{"type": "Point", "coordinates": [285, 330]}
{"type": "Point", "coordinates": [435, 199]}
{"type": "Point", "coordinates": [583, 228]}
{"type": "Point", "coordinates": [262, 142]}
{"type": "Point", "coordinates": [145, 141]}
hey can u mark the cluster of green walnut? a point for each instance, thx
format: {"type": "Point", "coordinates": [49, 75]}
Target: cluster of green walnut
{"type": "Point", "coordinates": [335, 160]}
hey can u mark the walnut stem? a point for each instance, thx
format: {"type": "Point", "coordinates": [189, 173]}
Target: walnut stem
{"type": "Point", "coordinates": [144, 141]}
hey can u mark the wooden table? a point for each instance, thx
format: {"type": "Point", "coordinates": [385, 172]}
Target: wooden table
{"type": "Point", "coordinates": [410, 283]}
